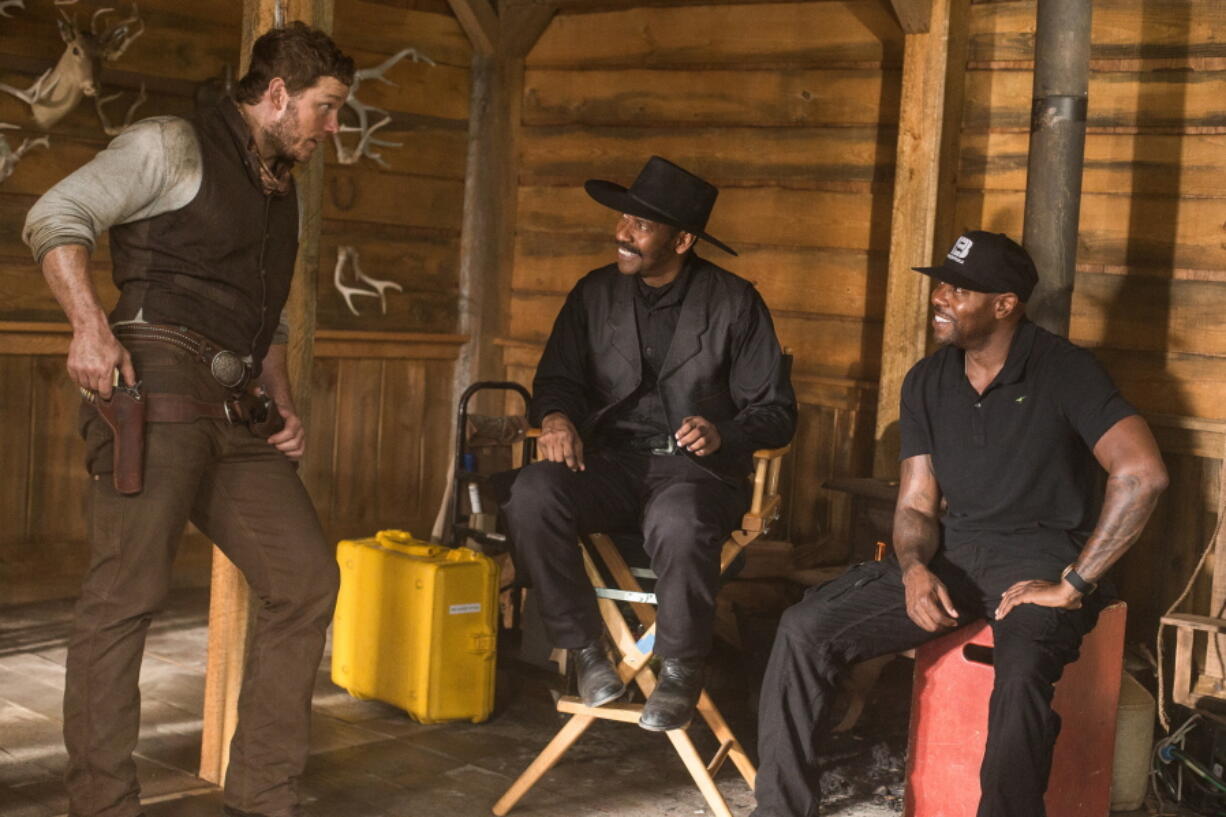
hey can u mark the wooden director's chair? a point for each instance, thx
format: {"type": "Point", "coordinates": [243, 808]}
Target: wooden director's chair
{"type": "Point", "coordinates": [636, 653]}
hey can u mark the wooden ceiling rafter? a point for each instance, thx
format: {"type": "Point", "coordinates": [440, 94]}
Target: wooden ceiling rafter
{"type": "Point", "coordinates": [511, 33]}
{"type": "Point", "coordinates": [915, 16]}
{"type": "Point", "coordinates": [480, 23]}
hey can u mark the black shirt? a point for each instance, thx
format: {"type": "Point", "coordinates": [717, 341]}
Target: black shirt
{"type": "Point", "coordinates": [1017, 459]}
{"type": "Point", "coordinates": [656, 310]}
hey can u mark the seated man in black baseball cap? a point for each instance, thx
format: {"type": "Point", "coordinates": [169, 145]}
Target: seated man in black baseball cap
{"type": "Point", "coordinates": [1002, 430]}
{"type": "Point", "coordinates": [661, 377]}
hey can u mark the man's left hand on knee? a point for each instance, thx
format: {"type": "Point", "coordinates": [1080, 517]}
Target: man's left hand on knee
{"type": "Point", "coordinates": [1036, 591]}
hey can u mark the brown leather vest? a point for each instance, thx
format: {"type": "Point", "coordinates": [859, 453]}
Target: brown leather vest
{"type": "Point", "coordinates": [222, 265]}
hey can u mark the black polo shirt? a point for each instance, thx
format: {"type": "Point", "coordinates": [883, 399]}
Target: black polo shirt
{"type": "Point", "coordinates": [1017, 459]}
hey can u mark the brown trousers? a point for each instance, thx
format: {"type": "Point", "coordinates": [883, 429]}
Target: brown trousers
{"type": "Point", "coordinates": [246, 496]}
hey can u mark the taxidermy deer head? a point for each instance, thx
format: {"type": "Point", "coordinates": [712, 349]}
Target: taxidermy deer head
{"type": "Point", "coordinates": [54, 94]}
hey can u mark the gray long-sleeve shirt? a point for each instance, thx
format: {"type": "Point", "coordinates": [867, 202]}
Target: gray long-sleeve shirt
{"type": "Point", "coordinates": [153, 167]}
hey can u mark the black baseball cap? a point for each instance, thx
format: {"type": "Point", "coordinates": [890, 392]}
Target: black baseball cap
{"type": "Point", "coordinates": [987, 262]}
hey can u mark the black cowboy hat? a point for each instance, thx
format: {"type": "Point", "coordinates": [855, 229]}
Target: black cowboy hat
{"type": "Point", "coordinates": [663, 192]}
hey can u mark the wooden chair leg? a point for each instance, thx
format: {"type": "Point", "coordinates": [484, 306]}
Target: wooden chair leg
{"type": "Point", "coordinates": [723, 733]}
{"type": "Point", "coordinates": [856, 687]}
{"type": "Point", "coordinates": [698, 771]}
{"type": "Point", "coordinates": [633, 668]}
{"type": "Point", "coordinates": [550, 755]}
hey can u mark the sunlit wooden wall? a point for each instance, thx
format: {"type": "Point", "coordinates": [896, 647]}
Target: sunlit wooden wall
{"type": "Point", "coordinates": [381, 383]}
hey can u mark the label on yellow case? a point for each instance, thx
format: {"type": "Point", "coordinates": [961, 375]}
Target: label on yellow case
{"type": "Point", "coordinates": [460, 609]}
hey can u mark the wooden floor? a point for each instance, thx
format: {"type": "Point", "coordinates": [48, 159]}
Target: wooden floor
{"type": "Point", "coordinates": [370, 760]}
{"type": "Point", "coordinates": [367, 759]}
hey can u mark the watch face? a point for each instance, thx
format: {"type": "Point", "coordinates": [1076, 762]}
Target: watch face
{"type": "Point", "coordinates": [1077, 581]}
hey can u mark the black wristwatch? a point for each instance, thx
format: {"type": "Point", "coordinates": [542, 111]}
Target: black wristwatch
{"type": "Point", "coordinates": [1079, 584]}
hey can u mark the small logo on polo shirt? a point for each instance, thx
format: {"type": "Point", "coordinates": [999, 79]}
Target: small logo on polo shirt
{"type": "Point", "coordinates": [961, 249]}
{"type": "Point", "coordinates": [1020, 399]}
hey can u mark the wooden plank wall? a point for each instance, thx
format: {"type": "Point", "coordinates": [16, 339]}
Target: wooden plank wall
{"type": "Point", "coordinates": [1151, 275]}
{"type": "Point", "coordinates": [791, 109]}
{"type": "Point", "coordinates": [382, 383]}
{"type": "Point", "coordinates": [403, 220]}
{"type": "Point", "coordinates": [382, 411]}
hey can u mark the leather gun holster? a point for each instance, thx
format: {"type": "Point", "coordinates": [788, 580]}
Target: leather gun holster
{"type": "Point", "coordinates": [124, 413]}
{"type": "Point", "coordinates": [257, 411]}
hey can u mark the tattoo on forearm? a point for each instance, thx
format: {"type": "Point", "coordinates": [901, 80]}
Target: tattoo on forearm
{"type": "Point", "coordinates": [1127, 506]}
{"type": "Point", "coordinates": [915, 536]}
{"type": "Point", "coordinates": [916, 529]}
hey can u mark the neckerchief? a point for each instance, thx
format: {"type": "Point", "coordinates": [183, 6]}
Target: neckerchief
{"type": "Point", "coordinates": [274, 179]}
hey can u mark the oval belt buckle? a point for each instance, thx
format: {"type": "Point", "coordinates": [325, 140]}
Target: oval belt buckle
{"type": "Point", "coordinates": [228, 369]}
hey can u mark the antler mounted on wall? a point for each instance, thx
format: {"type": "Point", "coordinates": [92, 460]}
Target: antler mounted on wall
{"type": "Point", "coordinates": [364, 127]}
{"type": "Point", "coordinates": [9, 157]}
{"type": "Point", "coordinates": [5, 5]}
{"type": "Point", "coordinates": [54, 94]}
{"type": "Point", "coordinates": [347, 254]}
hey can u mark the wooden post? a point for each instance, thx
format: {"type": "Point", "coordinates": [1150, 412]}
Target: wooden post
{"type": "Point", "coordinates": [929, 60]}
{"type": "Point", "coordinates": [229, 600]}
{"type": "Point", "coordinates": [491, 185]}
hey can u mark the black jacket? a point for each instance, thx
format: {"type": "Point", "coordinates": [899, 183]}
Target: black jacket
{"type": "Point", "coordinates": [724, 363]}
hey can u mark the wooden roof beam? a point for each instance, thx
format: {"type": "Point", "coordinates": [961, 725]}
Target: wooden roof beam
{"type": "Point", "coordinates": [480, 23]}
{"type": "Point", "coordinates": [523, 23]}
{"type": "Point", "coordinates": [915, 16]}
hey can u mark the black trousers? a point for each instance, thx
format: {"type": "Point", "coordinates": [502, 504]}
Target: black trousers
{"type": "Point", "coordinates": [862, 615]}
{"type": "Point", "coordinates": [683, 512]}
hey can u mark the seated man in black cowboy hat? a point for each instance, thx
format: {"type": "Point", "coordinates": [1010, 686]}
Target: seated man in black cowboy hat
{"type": "Point", "coordinates": [661, 377]}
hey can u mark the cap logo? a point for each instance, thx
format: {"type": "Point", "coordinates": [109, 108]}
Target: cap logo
{"type": "Point", "coordinates": [962, 248]}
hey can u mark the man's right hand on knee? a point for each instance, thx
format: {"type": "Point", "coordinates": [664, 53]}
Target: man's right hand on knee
{"type": "Point", "coordinates": [928, 601]}
{"type": "Point", "coordinates": [560, 442]}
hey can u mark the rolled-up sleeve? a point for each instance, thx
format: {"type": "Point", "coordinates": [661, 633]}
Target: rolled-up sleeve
{"type": "Point", "coordinates": [281, 333]}
{"type": "Point", "coordinates": [151, 168]}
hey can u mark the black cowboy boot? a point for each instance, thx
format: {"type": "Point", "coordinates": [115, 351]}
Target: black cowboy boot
{"type": "Point", "coordinates": [672, 703]}
{"type": "Point", "coordinates": [598, 680]}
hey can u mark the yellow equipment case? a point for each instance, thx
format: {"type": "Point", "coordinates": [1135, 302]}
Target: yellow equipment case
{"type": "Point", "coordinates": [416, 626]}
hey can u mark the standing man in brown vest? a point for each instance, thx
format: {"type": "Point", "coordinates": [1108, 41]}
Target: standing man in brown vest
{"type": "Point", "coordinates": [203, 222]}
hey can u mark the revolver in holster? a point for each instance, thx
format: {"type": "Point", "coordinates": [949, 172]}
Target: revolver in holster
{"type": "Point", "coordinates": [124, 413]}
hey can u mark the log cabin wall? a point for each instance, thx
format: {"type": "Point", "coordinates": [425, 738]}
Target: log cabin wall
{"type": "Point", "coordinates": [791, 110]}
{"type": "Point", "coordinates": [381, 383]}
{"type": "Point", "coordinates": [1150, 287]}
